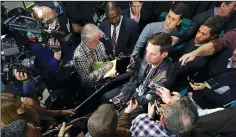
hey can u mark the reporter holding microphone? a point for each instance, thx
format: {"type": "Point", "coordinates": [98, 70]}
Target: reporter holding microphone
{"type": "Point", "coordinates": [179, 116]}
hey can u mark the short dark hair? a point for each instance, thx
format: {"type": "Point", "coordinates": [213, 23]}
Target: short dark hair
{"type": "Point", "coordinates": [15, 129]}
{"type": "Point", "coordinates": [176, 114]}
{"type": "Point", "coordinates": [161, 39]}
{"type": "Point", "coordinates": [218, 3]}
{"type": "Point", "coordinates": [111, 5]}
{"type": "Point", "coordinates": [179, 8]}
{"type": "Point", "coordinates": [215, 23]}
{"type": "Point", "coordinates": [130, 2]}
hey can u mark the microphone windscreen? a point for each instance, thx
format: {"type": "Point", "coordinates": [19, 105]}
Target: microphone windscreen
{"type": "Point", "coordinates": [148, 97]}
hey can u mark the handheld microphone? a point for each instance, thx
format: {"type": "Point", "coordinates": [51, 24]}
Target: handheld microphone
{"type": "Point", "coordinates": [158, 106]}
{"type": "Point", "coordinates": [149, 98]}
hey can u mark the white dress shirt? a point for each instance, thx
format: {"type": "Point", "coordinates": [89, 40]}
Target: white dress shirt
{"type": "Point", "coordinates": [230, 65]}
{"type": "Point", "coordinates": [117, 29]}
{"type": "Point", "coordinates": [133, 17]}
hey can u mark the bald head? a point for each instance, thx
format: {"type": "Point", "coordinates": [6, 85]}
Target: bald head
{"type": "Point", "coordinates": [43, 13]}
{"type": "Point", "coordinates": [113, 13]}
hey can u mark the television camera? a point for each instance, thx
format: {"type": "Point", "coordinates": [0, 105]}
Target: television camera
{"type": "Point", "coordinates": [14, 59]}
{"type": "Point", "coordinates": [20, 31]}
{"type": "Point", "coordinates": [26, 29]}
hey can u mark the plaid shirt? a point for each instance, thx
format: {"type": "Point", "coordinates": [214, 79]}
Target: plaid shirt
{"type": "Point", "coordinates": [226, 41]}
{"type": "Point", "coordinates": [143, 126]}
{"type": "Point", "coordinates": [84, 60]}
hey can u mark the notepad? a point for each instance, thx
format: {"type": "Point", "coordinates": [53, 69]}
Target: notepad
{"type": "Point", "coordinates": [111, 71]}
{"type": "Point", "coordinates": [119, 66]}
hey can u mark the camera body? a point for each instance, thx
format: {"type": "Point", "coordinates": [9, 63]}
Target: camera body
{"type": "Point", "coordinates": [19, 26]}
{"type": "Point", "coordinates": [26, 29]}
{"type": "Point", "coordinates": [13, 60]}
{"type": "Point", "coordinates": [119, 102]}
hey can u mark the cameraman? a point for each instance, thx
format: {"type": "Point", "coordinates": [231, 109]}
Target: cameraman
{"type": "Point", "coordinates": [48, 17]}
{"type": "Point", "coordinates": [49, 62]}
{"type": "Point", "coordinates": [24, 86]}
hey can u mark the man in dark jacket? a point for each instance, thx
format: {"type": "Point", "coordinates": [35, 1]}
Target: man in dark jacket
{"type": "Point", "coordinates": [224, 9]}
{"type": "Point", "coordinates": [138, 14]}
{"type": "Point", "coordinates": [218, 124]}
{"type": "Point", "coordinates": [156, 68]}
{"type": "Point", "coordinates": [121, 31]}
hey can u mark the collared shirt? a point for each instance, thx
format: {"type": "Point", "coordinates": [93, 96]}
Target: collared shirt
{"type": "Point", "coordinates": [165, 30]}
{"type": "Point", "coordinates": [143, 126]}
{"type": "Point", "coordinates": [226, 41]}
{"type": "Point", "coordinates": [215, 11]}
{"type": "Point", "coordinates": [146, 81]}
{"type": "Point", "coordinates": [230, 65]}
{"type": "Point", "coordinates": [159, 75]}
{"type": "Point", "coordinates": [133, 17]}
{"type": "Point", "coordinates": [117, 28]}
{"type": "Point", "coordinates": [84, 60]}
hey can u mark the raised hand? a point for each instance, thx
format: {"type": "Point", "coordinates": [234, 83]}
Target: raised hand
{"type": "Point", "coordinates": [187, 58]}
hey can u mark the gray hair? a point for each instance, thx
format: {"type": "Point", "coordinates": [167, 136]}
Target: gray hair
{"type": "Point", "coordinates": [89, 31]}
{"type": "Point", "coordinates": [180, 116]}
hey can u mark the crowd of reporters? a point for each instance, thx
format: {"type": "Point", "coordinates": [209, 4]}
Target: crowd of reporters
{"type": "Point", "coordinates": [157, 67]}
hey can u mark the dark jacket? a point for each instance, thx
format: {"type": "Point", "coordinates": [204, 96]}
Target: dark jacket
{"type": "Point", "coordinates": [50, 68]}
{"type": "Point", "coordinates": [128, 36]}
{"type": "Point", "coordinates": [221, 123]}
{"type": "Point", "coordinates": [145, 17]}
{"type": "Point", "coordinates": [191, 68]}
{"type": "Point", "coordinates": [217, 64]}
{"type": "Point", "coordinates": [161, 76]}
{"type": "Point", "coordinates": [221, 93]}
{"type": "Point", "coordinates": [197, 21]}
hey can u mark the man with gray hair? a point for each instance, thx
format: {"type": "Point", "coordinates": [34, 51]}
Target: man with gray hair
{"type": "Point", "coordinates": [179, 116]}
{"type": "Point", "coordinates": [89, 51]}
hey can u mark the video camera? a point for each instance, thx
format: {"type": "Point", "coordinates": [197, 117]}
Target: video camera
{"type": "Point", "coordinates": [24, 28]}
{"type": "Point", "coordinates": [20, 31]}
{"type": "Point", "coordinates": [12, 60]}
